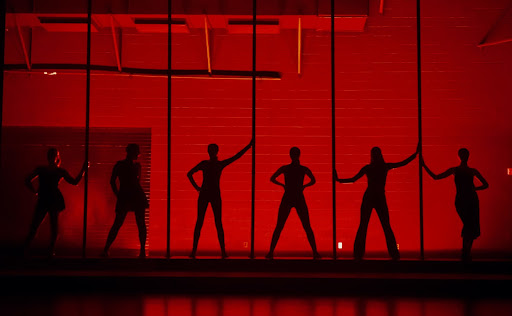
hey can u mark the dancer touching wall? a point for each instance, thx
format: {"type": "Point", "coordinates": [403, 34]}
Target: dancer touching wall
{"type": "Point", "coordinates": [375, 198]}
{"type": "Point", "coordinates": [466, 199]}
{"type": "Point", "coordinates": [49, 198]}
{"type": "Point", "coordinates": [209, 192]}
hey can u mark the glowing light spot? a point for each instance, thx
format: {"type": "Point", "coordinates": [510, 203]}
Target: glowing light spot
{"type": "Point", "coordinates": [246, 244]}
{"type": "Point", "coordinates": [340, 245]}
{"type": "Point", "coordinates": [397, 246]}
{"type": "Point", "coordinates": [509, 171]}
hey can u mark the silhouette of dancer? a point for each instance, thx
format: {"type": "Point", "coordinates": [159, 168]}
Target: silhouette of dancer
{"type": "Point", "coordinates": [293, 196]}
{"type": "Point", "coordinates": [49, 198]}
{"type": "Point", "coordinates": [466, 199]}
{"type": "Point", "coordinates": [130, 197]}
{"type": "Point", "coordinates": [209, 192]}
{"type": "Point", "coordinates": [375, 198]}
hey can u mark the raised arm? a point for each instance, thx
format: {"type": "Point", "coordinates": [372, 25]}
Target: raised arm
{"type": "Point", "coordinates": [393, 165]}
{"type": "Point", "coordinates": [276, 174]}
{"type": "Point", "coordinates": [74, 181]}
{"type": "Point", "coordinates": [113, 178]}
{"type": "Point", "coordinates": [190, 176]}
{"type": "Point", "coordinates": [440, 176]}
{"type": "Point", "coordinates": [484, 185]}
{"type": "Point", "coordinates": [28, 180]}
{"type": "Point", "coordinates": [238, 155]}
{"type": "Point", "coordinates": [311, 177]}
{"type": "Point", "coordinates": [358, 176]}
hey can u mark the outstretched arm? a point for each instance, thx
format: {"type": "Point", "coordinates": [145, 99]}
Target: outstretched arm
{"type": "Point", "coordinates": [276, 174]}
{"type": "Point", "coordinates": [74, 181]}
{"type": "Point", "coordinates": [311, 177]}
{"type": "Point", "coordinates": [484, 185]}
{"type": "Point", "coordinates": [402, 163]}
{"type": "Point", "coordinates": [238, 155]}
{"type": "Point", "coordinates": [358, 176]}
{"type": "Point", "coordinates": [190, 176]}
{"type": "Point", "coordinates": [437, 176]}
{"type": "Point", "coordinates": [28, 180]}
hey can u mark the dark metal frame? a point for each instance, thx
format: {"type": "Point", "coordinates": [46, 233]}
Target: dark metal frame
{"type": "Point", "coordinates": [88, 67]}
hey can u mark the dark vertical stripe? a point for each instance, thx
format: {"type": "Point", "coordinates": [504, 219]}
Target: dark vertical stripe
{"type": "Point", "coordinates": [169, 50]}
{"type": "Point", "coordinates": [87, 108]}
{"type": "Point", "coordinates": [420, 134]}
{"type": "Point", "coordinates": [333, 120]}
{"type": "Point", "coordinates": [2, 47]}
{"type": "Point", "coordinates": [253, 182]}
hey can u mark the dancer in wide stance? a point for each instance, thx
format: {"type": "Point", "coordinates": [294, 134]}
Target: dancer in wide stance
{"type": "Point", "coordinates": [130, 197]}
{"type": "Point", "coordinates": [293, 196]}
{"type": "Point", "coordinates": [375, 198]}
{"type": "Point", "coordinates": [209, 192]}
{"type": "Point", "coordinates": [466, 199]}
{"type": "Point", "coordinates": [49, 198]}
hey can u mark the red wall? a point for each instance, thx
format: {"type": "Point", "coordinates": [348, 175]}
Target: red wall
{"type": "Point", "coordinates": [465, 103]}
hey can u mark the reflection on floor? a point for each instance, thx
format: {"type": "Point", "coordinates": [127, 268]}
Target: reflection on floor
{"type": "Point", "coordinates": [162, 305]}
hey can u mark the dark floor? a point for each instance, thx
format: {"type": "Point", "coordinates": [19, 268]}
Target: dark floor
{"type": "Point", "coordinates": [222, 305]}
{"type": "Point", "coordinates": [477, 279]}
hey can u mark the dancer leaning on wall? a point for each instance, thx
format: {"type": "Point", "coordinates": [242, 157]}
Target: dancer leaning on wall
{"type": "Point", "coordinates": [375, 198]}
{"type": "Point", "coordinates": [49, 198]}
{"type": "Point", "coordinates": [466, 199]}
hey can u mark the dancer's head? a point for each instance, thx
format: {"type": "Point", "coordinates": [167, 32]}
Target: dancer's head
{"type": "Point", "coordinates": [464, 155]}
{"type": "Point", "coordinates": [132, 151]}
{"type": "Point", "coordinates": [53, 156]}
{"type": "Point", "coordinates": [376, 156]}
{"type": "Point", "coordinates": [295, 153]}
{"type": "Point", "coordinates": [213, 150]}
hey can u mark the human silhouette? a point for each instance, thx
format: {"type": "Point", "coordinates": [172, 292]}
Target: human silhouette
{"type": "Point", "coordinates": [209, 192]}
{"type": "Point", "coordinates": [49, 198]}
{"type": "Point", "coordinates": [375, 198]}
{"type": "Point", "coordinates": [130, 197]}
{"type": "Point", "coordinates": [293, 196]}
{"type": "Point", "coordinates": [466, 198]}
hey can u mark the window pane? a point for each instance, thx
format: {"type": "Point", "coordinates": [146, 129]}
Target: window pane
{"type": "Point", "coordinates": [43, 107]}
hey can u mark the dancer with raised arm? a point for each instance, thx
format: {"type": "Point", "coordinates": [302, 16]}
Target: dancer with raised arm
{"type": "Point", "coordinates": [130, 197]}
{"type": "Point", "coordinates": [293, 196]}
{"type": "Point", "coordinates": [49, 198]}
{"type": "Point", "coordinates": [209, 192]}
{"type": "Point", "coordinates": [466, 199]}
{"type": "Point", "coordinates": [375, 198]}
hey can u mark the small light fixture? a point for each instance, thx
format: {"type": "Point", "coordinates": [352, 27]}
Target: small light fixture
{"type": "Point", "coordinates": [340, 245]}
{"type": "Point", "coordinates": [246, 244]}
{"type": "Point", "coordinates": [509, 171]}
{"type": "Point", "coordinates": [397, 246]}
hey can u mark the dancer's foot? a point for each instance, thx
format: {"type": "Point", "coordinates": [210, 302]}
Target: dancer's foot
{"type": "Point", "coordinates": [224, 255]}
{"type": "Point", "coordinates": [104, 254]}
{"type": "Point", "coordinates": [358, 258]}
{"type": "Point", "coordinates": [270, 255]}
{"type": "Point", "coordinates": [395, 257]}
{"type": "Point", "coordinates": [142, 254]}
{"type": "Point", "coordinates": [466, 257]}
{"type": "Point", "coordinates": [192, 255]}
{"type": "Point", "coordinates": [316, 256]}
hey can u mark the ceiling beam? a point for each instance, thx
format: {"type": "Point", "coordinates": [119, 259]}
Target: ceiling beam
{"type": "Point", "coordinates": [23, 46]}
{"type": "Point", "coordinates": [299, 45]}
{"type": "Point", "coordinates": [207, 38]}
{"type": "Point", "coordinates": [116, 46]}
